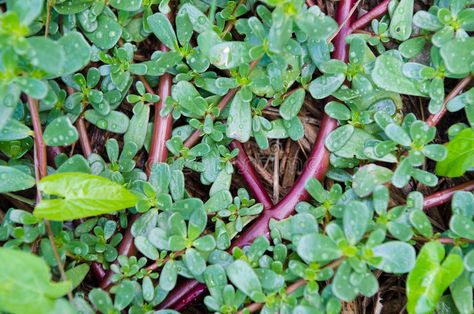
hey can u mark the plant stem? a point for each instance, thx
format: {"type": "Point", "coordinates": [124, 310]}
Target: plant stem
{"type": "Point", "coordinates": [82, 130]}
{"type": "Point", "coordinates": [374, 13]}
{"type": "Point", "coordinates": [434, 119]}
{"type": "Point", "coordinates": [243, 163]}
{"type": "Point", "coordinates": [48, 19]}
{"type": "Point", "coordinates": [83, 137]}
{"type": "Point", "coordinates": [158, 153]}
{"type": "Point", "coordinates": [444, 196]}
{"type": "Point", "coordinates": [41, 163]}
{"type": "Point", "coordinates": [316, 166]}
{"type": "Point", "coordinates": [162, 124]}
{"type": "Point", "coordinates": [41, 159]}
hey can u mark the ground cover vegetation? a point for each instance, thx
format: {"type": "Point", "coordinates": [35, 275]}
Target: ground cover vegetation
{"type": "Point", "coordinates": [140, 141]}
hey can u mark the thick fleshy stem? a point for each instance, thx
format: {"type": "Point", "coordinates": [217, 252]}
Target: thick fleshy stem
{"type": "Point", "coordinates": [162, 124]}
{"type": "Point", "coordinates": [158, 153]}
{"type": "Point", "coordinates": [316, 166]}
{"type": "Point", "coordinates": [434, 119]}
{"type": "Point", "coordinates": [376, 12]}
{"type": "Point", "coordinates": [243, 163]}
{"type": "Point", "coordinates": [441, 197]}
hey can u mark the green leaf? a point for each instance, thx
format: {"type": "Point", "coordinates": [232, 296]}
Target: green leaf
{"type": "Point", "coordinates": [137, 127]}
{"type": "Point", "coordinates": [341, 286]}
{"type": "Point", "coordinates": [83, 195]}
{"type": "Point", "coordinates": [47, 55]}
{"type": "Point", "coordinates": [33, 87]}
{"type": "Point", "coordinates": [461, 291]}
{"type": "Point", "coordinates": [368, 177]}
{"type": "Point", "coordinates": [168, 276]}
{"type": "Point", "coordinates": [339, 137]}
{"type": "Point", "coordinates": [14, 130]}
{"type": "Point", "coordinates": [315, 247]}
{"type": "Point", "coordinates": [325, 85]}
{"type": "Point", "coordinates": [462, 226]}
{"type": "Point", "coordinates": [194, 262]}
{"type": "Point", "coordinates": [431, 277]}
{"type": "Point", "coordinates": [77, 51]}
{"type": "Point", "coordinates": [115, 121]}
{"type": "Point", "coordinates": [245, 279]}
{"type": "Point", "coordinates": [401, 22]}
{"type": "Point", "coordinates": [229, 54]}
{"type": "Point", "coordinates": [460, 101]}
{"type": "Point", "coordinates": [412, 47]}
{"type": "Point", "coordinates": [280, 31]}
{"type": "Point", "coordinates": [397, 134]}
{"type": "Point", "coordinates": [316, 25]}
{"type": "Point", "coordinates": [77, 274]}
{"type": "Point", "coordinates": [239, 122]}
{"type": "Point", "coordinates": [356, 221]}
{"type": "Point", "coordinates": [101, 300]}
{"type": "Point", "coordinates": [129, 5]}
{"type": "Point", "coordinates": [60, 132]}
{"type": "Point", "coordinates": [12, 179]}
{"type": "Point", "coordinates": [26, 285]}
{"type": "Point", "coordinates": [426, 20]}
{"type": "Point", "coordinates": [460, 155]}
{"type": "Point", "coordinates": [397, 257]}
{"type": "Point", "coordinates": [198, 19]}
{"type": "Point", "coordinates": [163, 30]}
{"type": "Point", "coordinates": [421, 222]}
{"type": "Point", "coordinates": [292, 104]}
{"type": "Point", "coordinates": [107, 34]}
{"type": "Point", "coordinates": [72, 6]}
{"type": "Point", "coordinates": [457, 55]}
{"type": "Point", "coordinates": [27, 10]}
{"type": "Point", "coordinates": [316, 190]}
{"type": "Point", "coordinates": [337, 111]}
{"type": "Point", "coordinates": [124, 294]}
{"type": "Point", "coordinates": [187, 95]}
{"type": "Point", "coordinates": [387, 74]}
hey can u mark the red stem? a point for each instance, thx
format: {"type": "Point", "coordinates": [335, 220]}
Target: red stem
{"type": "Point", "coordinates": [243, 163]}
{"type": "Point", "coordinates": [434, 119]}
{"type": "Point", "coordinates": [40, 147]}
{"type": "Point", "coordinates": [316, 166]}
{"type": "Point", "coordinates": [376, 12]}
{"type": "Point", "coordinates": [83, 137]}
{"type": "Point", "coordinates": [162, 124]}
{"type": "Point", "coordinates": [444, 196]}
{"type": "Point", "coordinates": [158, 153]}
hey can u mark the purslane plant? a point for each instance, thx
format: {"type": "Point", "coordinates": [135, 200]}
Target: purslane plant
{"type": "Point", "coordinates": [146, 197]}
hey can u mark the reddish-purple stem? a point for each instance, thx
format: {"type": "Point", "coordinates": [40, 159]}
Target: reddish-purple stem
{"type": "Point", "coordinates": [83, 137]}
{"type": "Point", "coordinates": [376, 12]}
{"type": "Point", "coordinates": [243, 163]}
{"type": "Point", "coordinates": [444, 196]}
{"type": "Point", "coordinates": [162, 124]}
{"type": "Point", "coordinates": [40, 157]}
{"type": "Point", "coordinates": [316, 166]}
